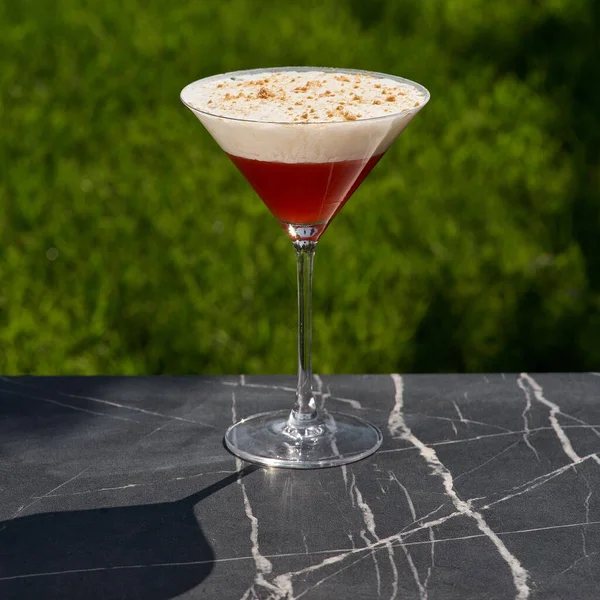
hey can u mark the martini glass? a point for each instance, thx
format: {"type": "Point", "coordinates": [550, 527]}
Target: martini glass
{"type": "Point", "coordinates": [304, 171]}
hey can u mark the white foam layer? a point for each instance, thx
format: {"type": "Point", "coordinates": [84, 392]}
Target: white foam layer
{"type": "Point", "coordinates": [304, 116]}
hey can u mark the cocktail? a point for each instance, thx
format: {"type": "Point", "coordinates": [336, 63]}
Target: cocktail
{"type": "Point", "coordinates": [305, 138]}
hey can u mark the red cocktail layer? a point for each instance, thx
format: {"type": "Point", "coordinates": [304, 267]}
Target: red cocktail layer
{"type": "Point", "coordinates": [305, 193]}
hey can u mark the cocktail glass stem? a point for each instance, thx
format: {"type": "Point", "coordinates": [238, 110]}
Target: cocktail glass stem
{"type": "Point", "coordinates": [305, 413]}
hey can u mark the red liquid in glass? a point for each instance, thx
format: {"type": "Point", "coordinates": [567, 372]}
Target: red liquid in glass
{"type": "Point", "coordinates": [305, 193]}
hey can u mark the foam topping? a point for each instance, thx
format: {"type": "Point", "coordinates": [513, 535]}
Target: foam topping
{"type": "Point", "coordinates": [307, 116]}
{"type": "Point", "coordinates": [302, 96]}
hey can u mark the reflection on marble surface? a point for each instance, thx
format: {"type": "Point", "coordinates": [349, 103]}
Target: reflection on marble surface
{"type": "Point", "coordinates": [485, 487]}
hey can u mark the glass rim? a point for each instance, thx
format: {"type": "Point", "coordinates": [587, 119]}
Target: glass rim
{"type": "Point", "coordinates": [341, 70]}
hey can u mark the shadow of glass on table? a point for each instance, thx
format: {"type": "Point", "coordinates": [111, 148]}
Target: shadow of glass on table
{"type": "Point", "coordinates": [150, 552]}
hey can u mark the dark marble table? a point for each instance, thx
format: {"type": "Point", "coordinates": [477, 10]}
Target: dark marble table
{"type": "Point", "coordinates": [485, 487]}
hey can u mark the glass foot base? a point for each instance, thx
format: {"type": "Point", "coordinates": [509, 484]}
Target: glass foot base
{"type": "Point", "coordinates": [265, 439]}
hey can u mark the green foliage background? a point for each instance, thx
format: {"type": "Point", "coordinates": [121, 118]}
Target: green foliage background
{"type": "Point", "coordinates": [474, 246]}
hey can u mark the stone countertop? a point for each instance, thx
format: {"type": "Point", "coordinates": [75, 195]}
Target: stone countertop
{"type": "Point", "coordinates": [485, 487]}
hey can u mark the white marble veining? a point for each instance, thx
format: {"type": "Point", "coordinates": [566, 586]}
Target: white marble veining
{"type": "Point", "coordinates": [398, 428]}
{"type": "Point", "coordinates": [263, 565]}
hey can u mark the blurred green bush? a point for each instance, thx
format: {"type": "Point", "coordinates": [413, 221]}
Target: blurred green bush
{"type": "Point", "coordinates": [131, 245]}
